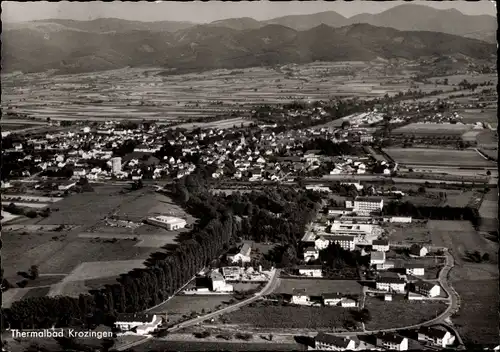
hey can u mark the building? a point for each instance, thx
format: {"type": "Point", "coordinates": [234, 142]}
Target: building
{"type": "Point", "coordinates": [311, 253]}
{"type": "Point", "coordinates": [392, 284]}
{"type": "Point", "coordinates": [377, 258]}
{"type": "Point", "coordinates": [427, 289]}
{"type": "Point", "coordinates": [437, 337]}
{"type": "Point", "coordinates": [243, 255]}
{"type": "Point", "coordinates": [321, 243]}
{"type": "Point", "coordinates": [366, 205]}
{"type": "Point", "coordinates": [338, 211]}
{"type": "Point", "coordinates": [400, 219]}
{"type": "Point", "coordinates": [390, 264]}
{"type": "Point", "coordinates": [332, 299]}
{"type": "Point", "coordinates": [418, 251]}
{"type": "Point", "coordinates": [388, 297]}
{"type": "Point", "coordinates": [232, 273]}
{"type": "Point", "coordinates": [365, 138]}
{"type": "Point", "coordinates": [329, 342]}
{"type": "Point", "coordinates": [299, 297]}
{"type": "Point", "coordinates": [380, 245]}
{"type": "Point", "coordinates": [171, 223]}
{"type": "Point", "coordinates": [414, 269]}
{"type": "Point", "coordinates": [218, 283]}
{"type": "Point", "coordinates": [66, 185]}
{"type": "Point", "coordinates": [348, 302]}
{"type": "Point", "coordinates": [311, 270]}
{"type": "Point", "coordinates": [116, 164]}
{"type": "Point", "coordinates": [346, 242]}
{"type": "Point", "coordinates": [143, 324]}
{"type": "Point", "coordinates": [392, 342]}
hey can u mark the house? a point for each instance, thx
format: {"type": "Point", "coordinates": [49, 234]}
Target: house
{"type": "Point", "coordinates": [242, 255]}
{"type": "Point", "coordinates": [377, 258]}
{"type": "Point", "coordinates": [392, 341]}
{"type": "Point", "coordinates": [437, 337]}
{"type": "Point", "coordinates": [332, 299]}
{"type": "Point", "coordinates": [218, 283]}
{"type": "Point", "coordinates": [329, 342]}
{"type": "Point", "coordinates": [414, 269]}
{"type": "Point", "coordinates": [418, 251]}
{"type": "Point", "coordinates": [143, 324]}
{"type": "Point", "coordinates": [231, 273]}
{"type": "Point", "coordinates": [310, 253]}
{"type": "Point", "coordinates": [380, 245]}
{"type": "Point", "coordinates": [171, 223]}
{"type": "Point", "coordinates": [427, 289]}
{"type": "Point", "coordinates": [299, 297]}
{"type": "Point", "coordinates": [338, 211]}
{"type": "Point", "coordinates": [391, 284]}
{"type": "Point", "coordinates": [311, 270]}
{"type": "Point", "coordinates": [348, 302]}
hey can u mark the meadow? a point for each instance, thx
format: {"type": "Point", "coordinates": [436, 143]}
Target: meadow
{"type": "Point", "coordinates": [317, 287]}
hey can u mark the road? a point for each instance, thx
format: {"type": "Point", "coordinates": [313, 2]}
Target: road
{"type": "Point", "coordinates": [270, 287]}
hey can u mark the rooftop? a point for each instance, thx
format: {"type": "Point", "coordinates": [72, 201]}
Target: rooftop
{"type": "Point", "coordinates": [330, 339]}
{"type": "Point", "coordinates": [134, 317]}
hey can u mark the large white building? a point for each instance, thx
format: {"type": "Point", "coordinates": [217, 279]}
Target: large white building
{"type": "Point", "coordinates": [392, 342]}
{"type": "Point", "coordinates": [243, 255]}
{"type": "Point", "coordinates": [171, 223]}
{"type": "Point", "coordinates": [218, 283]}
{"type": "Point", "coordinates": [311, 270]}
{"type": "Point", "coordinates": [366, 205]}
{"type": "Point", "coordinates": [427, 289]}
{"type": "Point", "coordinates": [391, 284]}
{"type": "Point", "coordinates": [328, 342]}
{"type": "Point", "coordinates": [437, 337]}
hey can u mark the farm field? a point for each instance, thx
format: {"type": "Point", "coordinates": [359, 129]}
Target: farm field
{"type": "Point", "coordinates": [400, 312]}
{"type": "Point", "coordinates": [489, 211]}
{"type": "Point", "coordinates": [317, 287]}
{"type": "Point", "coordinates": [438, 157]}
{"type": "Point", "coordinates": [477, 321]}
{"type": "Point", "coordinates": [407, 233]}
{"type": "Point", "coordinates": [289, 317]}
{"type": "Point", "coordinates": [478, 115]}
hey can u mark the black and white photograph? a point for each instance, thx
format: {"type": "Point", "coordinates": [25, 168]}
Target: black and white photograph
{"type": "Point", "coordinates": [249, 176]}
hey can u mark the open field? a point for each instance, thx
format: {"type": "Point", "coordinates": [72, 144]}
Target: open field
{"type": "Point", "coordinates": [489, 211]}
{"type": "Point", "coordinates": [222, 124]}
{"type": "Point", "coordinates": [173, 346]}
{"type": "Point", "coordinates": [289, 317]}
{"type": "Point", "coordinates": [438, 157]}
{"type": "Point", "coordinates": [477, 321]}
{"type": "Point", "coordinates": [407, 233]}
{"type": "Point", "coordinates": [317, 287]}
{"type": "Point", "coordinates": [478, 115]}
{"type": "Point", "coordinates": [400, 312]}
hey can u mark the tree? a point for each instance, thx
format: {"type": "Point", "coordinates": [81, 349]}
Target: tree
{"type": "Point", "coordinates": [486, 257]}
{"type": "Point", "coordinates": [445, 81]}
{"type": "Point", "coordinates": [34, 272]}
{"type": "Point", "coordinates": [488, 173]}
{"type": "Point", "coordinates": [345, 124]}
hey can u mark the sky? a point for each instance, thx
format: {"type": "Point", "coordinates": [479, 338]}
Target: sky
{"type": "Point", "coordinates": [203, 12]}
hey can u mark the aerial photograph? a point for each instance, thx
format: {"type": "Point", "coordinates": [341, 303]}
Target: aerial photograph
{"type": "Point", "coordinates": [249, 176]}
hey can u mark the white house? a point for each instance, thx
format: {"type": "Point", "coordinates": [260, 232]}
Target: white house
{"type": "Point", "coordinates": [310, 253]}
{"type": "Point", "coordinates": [391, 284]}
{"type": "Point", "coordinates": [414, 269]}
{"type": "Point", "coordinates": [418, 251]}
{"type": "Point", "coordinates": [332, 299]}
{"type": "Point", "coordinates": [347, 302]}
{"type": "Point", "coordinates": [218, 282]}
{"type": "Point", "coordinates": [437, 337]}
{"type": "Point", "coordinates": [142, 323]}
{"type": "Point", "coordinates": [329, 342]}
{"type": "Point", "coordinates": [321, 243]}
{"type": "Point", "coordinates": [380, 245]}
{"type": "Point", "coordinates": [377, 258]}
{"type": "Point", "coordinates": [367, 204]}
{"type": "Point", "coordinates": [299, 297]}
{"type": "Point", "coordinates": [392, 341]}
{"type": "Point", "coordinates": [427, 289]}
{"type": "Point", "coordinates": [242, 255]}
{"type": "Point", "coordinates": [311, 270]}
{"type": "Point", "coordinates": [346, 242]}
{"type": "Point", "coordinates": [171, 223]}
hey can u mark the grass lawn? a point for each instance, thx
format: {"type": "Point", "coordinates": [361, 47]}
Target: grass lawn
{"type": "Point", "coordinates": [477, 321]}
{"type": "Point", "coordinates": [283, 317]}
{"type": "Point", "coordinates": [400, 312]}
{"type": "Point", "coordinates": [317, 287]}
{"type": "Point", "coordinates": [427, 156]}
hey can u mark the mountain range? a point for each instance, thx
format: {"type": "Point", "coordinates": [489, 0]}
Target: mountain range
{"type": "Point", "coordinates": [406, 31]}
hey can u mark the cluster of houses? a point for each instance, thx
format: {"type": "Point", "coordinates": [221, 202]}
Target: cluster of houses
{"type": "Point", "coordinates": [431, 337]}
{"type": "Point", "coordinates": [300, 297]}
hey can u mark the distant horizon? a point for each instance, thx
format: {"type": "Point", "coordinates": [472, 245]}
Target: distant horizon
{"type": "Point", "coordinates": [16, 12]}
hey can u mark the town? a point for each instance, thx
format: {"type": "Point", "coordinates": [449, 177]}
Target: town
{"type": "Point", "coordinates": [344, 222]}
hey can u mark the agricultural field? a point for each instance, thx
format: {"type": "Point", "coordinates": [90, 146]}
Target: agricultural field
{"type": "Point", "coordinates": [289, 317]}
{"type": "Point", "coordinates": [478, 115]}
{"type": "Point", "coordinates": [317, 287]}
{"type": "Point", "coordinates": [489, 211]}
{"type": "Point", "coordinates": [438, 157]}
{"type": "Point", "coordinates": [221, 124]}
{"type": "Point", "coordinates": [477, 321]}
{"type": "Point", "coordinates": [400, 312]}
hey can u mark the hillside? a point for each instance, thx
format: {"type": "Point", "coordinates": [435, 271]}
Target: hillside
{"type": "Point", "coordinates": [208, 46]}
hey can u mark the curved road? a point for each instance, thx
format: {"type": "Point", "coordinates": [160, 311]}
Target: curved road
{"type": "Point", "coordinates": [270, 287]}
